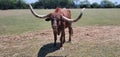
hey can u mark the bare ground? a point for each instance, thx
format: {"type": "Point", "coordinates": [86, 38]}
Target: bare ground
{"type": "Point", "coordinates": [37, 44]}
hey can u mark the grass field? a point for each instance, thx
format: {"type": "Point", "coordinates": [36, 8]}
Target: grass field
{"type": "Point", "coordinates": [97, 34]}
{"type": "Point", "coordinates": [20, 21]}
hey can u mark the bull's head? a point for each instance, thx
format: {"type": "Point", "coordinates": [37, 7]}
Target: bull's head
{"type": "Point", "coordinates": [55, 16]}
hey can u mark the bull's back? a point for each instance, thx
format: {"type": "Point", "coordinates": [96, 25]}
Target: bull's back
{"type": "Point", "coordinates": [65, 12]}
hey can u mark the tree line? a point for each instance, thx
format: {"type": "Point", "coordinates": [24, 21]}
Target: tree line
{"type": "Point", "coordinates": [13, 4]}
{"type": "Point", "coordinates": [50, 4]}
{"type": "Point", "coordinates": [72, 4]}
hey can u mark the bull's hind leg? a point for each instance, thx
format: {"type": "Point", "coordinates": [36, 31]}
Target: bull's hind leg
{"type": "Point", "coordinates": [70, 33]}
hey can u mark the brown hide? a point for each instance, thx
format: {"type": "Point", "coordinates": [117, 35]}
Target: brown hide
{"type": "Point", "coordinates": [59, 24]}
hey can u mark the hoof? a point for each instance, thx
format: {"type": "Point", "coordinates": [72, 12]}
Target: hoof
{"type": "Point", "coordinates": [61, 48]}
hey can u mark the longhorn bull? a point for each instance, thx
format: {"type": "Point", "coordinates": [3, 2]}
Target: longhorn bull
{"type": "Point", "coordinates": [60, 19]}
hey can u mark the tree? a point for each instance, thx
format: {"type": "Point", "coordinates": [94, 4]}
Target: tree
{"type": "Point", "coordinates": [49, 3]}
{"type": "Point", "coordinates": [76, 3]}
{"type": "Point", "coordinates": [107, 4]}
{"type": "Point", "coordinates": [12, 4]}
{"type": "Point", "coordinates": [67, 3]}
{"type": "Point", "coordinates": [85, 4]}
{"type": "Point", "coordinates": [38, 4]}
{"type": "Point", "coordinates": [95, 5]}
{"type": "Point", "coordinates": [5, 4]}
{"type": "Point", "coordinates": [118, 6]}
{"type": "Point", "coordinates": [21, 4]}
{"type": "Point", "coordinates": [54, 3]}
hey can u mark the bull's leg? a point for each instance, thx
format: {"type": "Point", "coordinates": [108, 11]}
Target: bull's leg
{"type": "Point", "coordinates": [62, 38]}
{"type": "Point", "coordinates": [59, 31]}
{"type": "Point", "coordinates": [55, 38]}
{"type": "Point", "coordinates": [70, 33]}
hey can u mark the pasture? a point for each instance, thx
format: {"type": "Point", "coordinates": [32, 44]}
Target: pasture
{"type": "Point", "coordinates": [97, 34]}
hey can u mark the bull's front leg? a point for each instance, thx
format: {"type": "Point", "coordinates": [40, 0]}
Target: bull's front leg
{"type": "Point", "coordinates": [70, 33]}
{"type": "Point", "coordinates": [55, 38]}
{"type": "Point", "coordinates": [62, 38]}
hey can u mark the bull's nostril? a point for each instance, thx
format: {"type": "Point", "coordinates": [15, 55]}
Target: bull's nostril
{"type": "Point", "coordinates": [55, 29]}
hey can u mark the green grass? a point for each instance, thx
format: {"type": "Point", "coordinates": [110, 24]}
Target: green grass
{"type": "Point", "coordinates": [100, 17]}
{"type": "Point", "coordinates": [20, 21]}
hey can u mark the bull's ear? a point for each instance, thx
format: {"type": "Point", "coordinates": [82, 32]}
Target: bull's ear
{"type": "Point", "coordinates": [48, 19]}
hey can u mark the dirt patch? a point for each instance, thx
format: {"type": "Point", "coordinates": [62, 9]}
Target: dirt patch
{"type": "Point", "coordinates": [79, 32]}
{"type": "Point", "coordinates": [97, 33]}
{"type": "Point", "coordinates": [100, 31]}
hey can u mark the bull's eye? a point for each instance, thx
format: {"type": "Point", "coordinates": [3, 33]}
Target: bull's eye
{"type": "Point", "coordinates": [48, 19]}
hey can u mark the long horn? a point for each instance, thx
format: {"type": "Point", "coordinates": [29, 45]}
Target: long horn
{"type": "Point", "coordinates": [74, 20]}
{"type": "Point", "coordinates": [35, 14]}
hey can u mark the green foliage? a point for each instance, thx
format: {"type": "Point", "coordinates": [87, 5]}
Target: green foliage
{"type": "Point", "coordinates": [21, 4]}
{"type": "Point", "coordinates": [53, 4]}
{"type": "Point", "coordinates": [38, 4]}
{"type": "Point", "coordinates": [107, 4]}
{"type": "Point", "coordinates": [85, 4]}
{"type": "Point", "coordinates": [95, 5]}
{"type": "Point", "coordinates": [50, 4]}
{"type": "Point", "coordinates": [118, 6]}
{"type": "Point", "coordinates": [5, 4]}
{"type": "Point", "coordinates": [12, 4]}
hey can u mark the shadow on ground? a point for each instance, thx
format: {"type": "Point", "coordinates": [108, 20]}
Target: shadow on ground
{"type": "Point", "coordinates": [48, 48]}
